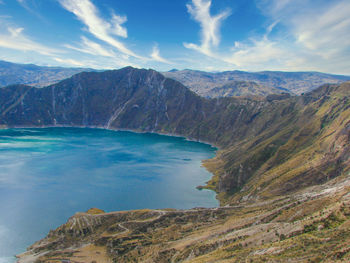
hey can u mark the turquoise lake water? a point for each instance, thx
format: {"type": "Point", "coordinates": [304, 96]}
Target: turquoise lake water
{"type": "Point", "coordinates": [46, 175]}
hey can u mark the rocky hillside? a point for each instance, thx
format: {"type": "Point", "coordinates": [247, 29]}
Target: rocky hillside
{"type": "Point", "coordinates": [206, 84]}
{"type": "Point", "coordinates": [141, 100]}
{"type": "Point", "coordinates": [308, 145]}
{"type": "Point", "coordinates": [29, 74]}
{"type": "Point", "coordinates": [256, 135]}
{"type": "Point", "coordinates": [239, 88]}
{"type": "Point", "coordinates": [309, 226]}
{"type": "Point", "coordinates": [255, 83]}
{"type": "Point", "coordinates": [282, 170]}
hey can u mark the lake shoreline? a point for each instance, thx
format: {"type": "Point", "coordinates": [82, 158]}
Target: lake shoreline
{"type": "Point", "coordinates": [131, 139]}
{"type": "Point", "coordinates": [199, 187]}
{"type": "Point", "coordinates": [4, 127]}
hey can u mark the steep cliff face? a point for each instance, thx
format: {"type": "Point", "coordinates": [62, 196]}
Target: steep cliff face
{"type": "Point", "coordinates": [283, 169]}
{"type": "Point", "coordinates": [127, 98]}
{"type": "Point", "coordinates": [256, 135]}
{"type": "Point", "coordinates": [141, 100]}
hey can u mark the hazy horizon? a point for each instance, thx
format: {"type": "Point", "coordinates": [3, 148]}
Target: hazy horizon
{"type": "Point", "coordinates": [207, 35]}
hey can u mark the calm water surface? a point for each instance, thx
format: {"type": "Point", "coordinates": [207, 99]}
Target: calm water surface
{"type": "Point", "coordinates": [46, 175]}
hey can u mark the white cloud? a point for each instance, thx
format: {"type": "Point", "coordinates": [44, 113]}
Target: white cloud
{"type": "Point", "coordinates": [89, 47]}
{"type": "Point", "coordinates": [70, 62]}
{"type": "Point", "coordinates": [256, 55]}
{"type": "Point", "coordinates": [318, 33]}
{"type": "Point", "coordinates": [276, 7]}
{"type": "Point", "coordinates": [117, 27]}
{"type": "Point", "coordinates": [210, 25]}
{"type": "Point", "coordinates": [320, 26]}
{"type": "Point", "coordinates": [15, 39]}
{"type": "Point", "coordinates": [325, 32]}
{"type": "Point", "coordinates": [15, 32]}
{"type": "Point", "coordinates": [157, 57]}
{"type": "Point", "coordinates": [302, 35]}
{"type": "Point", "coordinates": [88, 14]}
{"type": "Point", "coordinates": [96, 62]}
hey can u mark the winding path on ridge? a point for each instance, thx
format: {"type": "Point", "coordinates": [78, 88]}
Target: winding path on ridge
{"type": "Point", "coordinates": [126, 230]}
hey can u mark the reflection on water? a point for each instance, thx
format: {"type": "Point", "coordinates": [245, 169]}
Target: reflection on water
{"type": "Point", "coordinates": [46, 175]}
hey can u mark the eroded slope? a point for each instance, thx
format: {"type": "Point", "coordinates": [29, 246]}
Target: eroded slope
{"type": "Point", "coordinates": [283, 170]}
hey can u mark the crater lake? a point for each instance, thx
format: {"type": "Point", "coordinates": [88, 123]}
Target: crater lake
{"type": "Point", "coordinates": [48, 174]}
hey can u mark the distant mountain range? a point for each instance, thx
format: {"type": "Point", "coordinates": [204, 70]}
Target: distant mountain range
{"type": "Point", "coordinates": [33, 75]}
{"type": "Point", "coordinates": [144, 100]}
{"type": "Point", "coordinates": [237, 83]}
{"type": "Point", "coordinates": [206, 84]}
{"type": "Point", "coordinates": [282, 169]}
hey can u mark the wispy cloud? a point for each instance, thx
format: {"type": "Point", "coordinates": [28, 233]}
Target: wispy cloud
{"type": "Point", "coordinates": [100, 56]}
{"type": "Point", "coordinates": [310, 35]}
{"type": "Point", "coordinates": [210, 25]}
{"type": "Point", "coordinates": [4, 17]}
{"type": "Point", "coordinates": [299, 35]}
{"type": "Point", "coordinates": [90, 47]}
{"type": "Point", "coordinates": [96, 62]}
{"type": "Point", "coordinates": [32, 7]}
{"type": "Point", "coordinates": [155, 55]}
{"type": "Point", "coordinates": [117, 28]}
{"type": "Point", "coordinates": [256, 55]}
{"type": "Point", "coordinates": [14, 38]}
{"type": "Point", "coordinates": [317, 33]}
{"type": "Point", "coordinates": [106, 31]}
{"type": "Point", "coordinates": [69, 61]}
{"type": "Point", "coordinates": [327, 32]}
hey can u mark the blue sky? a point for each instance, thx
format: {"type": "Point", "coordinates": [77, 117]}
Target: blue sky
{"type": "Point", "coordinates": [216, 35]}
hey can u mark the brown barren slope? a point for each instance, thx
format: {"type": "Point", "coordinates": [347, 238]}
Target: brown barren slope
{"type": "Point", "coordinates": [282, 172]}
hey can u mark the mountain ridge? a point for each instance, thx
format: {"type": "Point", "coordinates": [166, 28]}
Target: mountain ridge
{"type": "Point", "coordinates": [269, 81]}
{"type": "Point", "coordinates": [31, 74]}
{"type": "Point", "coordinates": [279, 156]}
{"type": "Point", "coordinates": [207, 84]}
{"type": "Point", "coordinates": [144, 100]}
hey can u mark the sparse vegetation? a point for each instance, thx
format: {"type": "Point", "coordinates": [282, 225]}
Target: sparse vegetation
{"type": "Point", "coordinates": [282, 169]}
